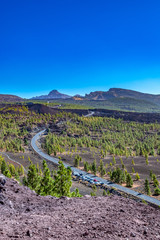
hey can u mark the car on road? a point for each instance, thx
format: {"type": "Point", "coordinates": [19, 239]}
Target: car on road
{"type": "Point", "coordinates": [76, 174]}
{"type": "Point", "coordinates": [91, 181]}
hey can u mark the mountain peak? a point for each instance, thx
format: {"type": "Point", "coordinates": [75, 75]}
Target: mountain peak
{"type": "Point", "coordinates": [54, 94]}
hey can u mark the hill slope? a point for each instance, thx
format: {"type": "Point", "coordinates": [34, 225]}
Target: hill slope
{"type": "Point", "coordinates": [122, 104]}
{"type": "Point", "coordinates": [10, 98]}
{"type": "Point", "coordinates": [123, 93]}
{"type": "Point", "coordinates": [24, 215]}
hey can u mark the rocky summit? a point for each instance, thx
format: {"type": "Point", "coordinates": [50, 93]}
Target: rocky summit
{"type": "Point", "coordinates": [122, 93]}
{"type": "Point", "coordinates": [54, 94]}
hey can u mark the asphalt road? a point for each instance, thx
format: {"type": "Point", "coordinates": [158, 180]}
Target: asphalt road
{"type": "Point", "coordinates": [76, 170]}
{"type": "Point", "coordinates": [89, 114]}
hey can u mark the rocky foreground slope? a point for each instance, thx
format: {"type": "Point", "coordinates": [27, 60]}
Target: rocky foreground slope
{"type": "Point", "coordinates": [24, 215]}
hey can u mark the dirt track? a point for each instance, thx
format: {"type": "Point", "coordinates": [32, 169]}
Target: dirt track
{"type": "Point", "coordinates": [24, 215]}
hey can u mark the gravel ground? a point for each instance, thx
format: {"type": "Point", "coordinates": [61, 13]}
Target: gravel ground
{"type": "Point", "coordinates": [24, 215]}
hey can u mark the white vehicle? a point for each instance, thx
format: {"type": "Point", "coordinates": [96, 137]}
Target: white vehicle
{"type": "Point", "coordinates": [76, 174]}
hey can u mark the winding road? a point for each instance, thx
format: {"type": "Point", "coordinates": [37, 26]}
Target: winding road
{"type": "Point", "coordinates": [38, 150]}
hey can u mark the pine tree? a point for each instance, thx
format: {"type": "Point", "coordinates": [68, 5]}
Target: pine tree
{"type": "Point", "coordinates": [155, 182]}
{"type": "Point", "coordinates": [33, 178]}
{"type": "Point", "coordinates": [137, 177]}
{"type": "Point", "coordinates": [129, 181]}
{"type": "Point", "coordinates": [147, 187]}
{"type": "Point", "coordinates": [133, 162]}
{"type": "Point", "coordinates": [153, 177]}
{"type": "Point", "coordinates": [63, 181]}
{"type": "Point", "coordinates": [5, 170]}
{"type": "Point", "coordinates": [24, 181]}
{"type": "Point", "coordinates": [94, 168]}
{"type": "Point", "coordinates": [114, 160]}
{"type": "Point", "coordinates": [117, 175]}
{"type": "Point", "coordinates": [76, 161]}
{"type": "Point", "coordinates": [133, 171]}
{"type": "Point", "coordinates": [151, 174]}
{"type": "Point", "coordinates": [157, 191]}
{"type": "Point", "coordinates": [4, 167]}
{"type": "Point", "coordinates": [146, 159]}
{"type": "Point", "coordinates": [12, 169]}
{"type": "Point", "coordinates": [44, 184]}
{"type": "Point", "coordinates": [86, 166]}
{"type": "Point", "coordinates": [101, 169]}
{"type": "Point", "coordinates": [123, 166]}
{"type": "Point", "coordinates": [47, 182]}
{"type": "Point", "coordinates": [17, 176]}
{"type": "Point", "coordinates": [21, 171]}
{"type": "Point", "coordinates": [123, 178]}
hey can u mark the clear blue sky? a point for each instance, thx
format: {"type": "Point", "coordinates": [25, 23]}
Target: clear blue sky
{"type": "Point", "coordinates": [78, 46]}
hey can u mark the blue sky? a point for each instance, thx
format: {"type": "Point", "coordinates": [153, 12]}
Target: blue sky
{"type": "Point", "coordinates": [79, 46]}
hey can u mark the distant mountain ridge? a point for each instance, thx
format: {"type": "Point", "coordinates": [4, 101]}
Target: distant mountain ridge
{"type": "Point", "coordinates": [104, 95]}
{"type": "Point", "coordinates": [112, 93]}
{"type": "Point", "coordinates": [123, 93]}
{"type": "Point", "coordinates": [114, 99]}
{"type": "Point", "coordinates": [54, 94]}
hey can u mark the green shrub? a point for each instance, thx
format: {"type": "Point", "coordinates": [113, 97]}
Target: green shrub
{"type": "Point", "coordinates": [137, 177]}
{"type": "Point", "coordinates": [157, 191]}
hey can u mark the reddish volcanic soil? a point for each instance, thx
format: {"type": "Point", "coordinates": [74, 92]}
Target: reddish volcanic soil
{"type": "Point", "coordinates": [24, 215]}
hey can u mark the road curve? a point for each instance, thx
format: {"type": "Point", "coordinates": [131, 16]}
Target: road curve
{"type": "Point", "coordinates": [76, 170]}
{"type": "Point", "coordinates": [89, 114]}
